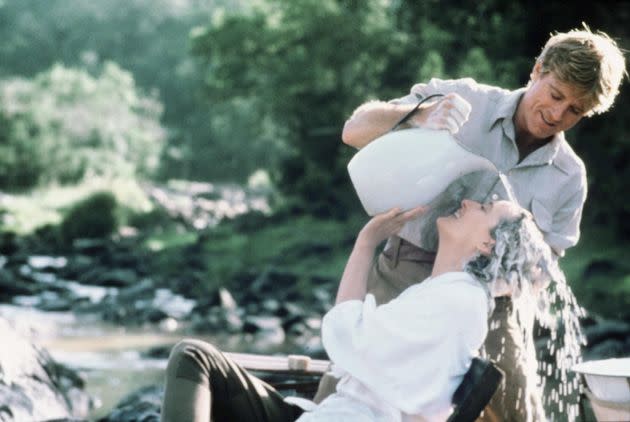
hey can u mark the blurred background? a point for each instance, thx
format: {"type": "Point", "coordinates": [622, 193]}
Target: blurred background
{"type": "Point", "coordinates": [181, 162]}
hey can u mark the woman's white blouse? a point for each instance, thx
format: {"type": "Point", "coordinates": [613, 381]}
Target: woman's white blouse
{"type": "Point", "coordinates": [403, 360]}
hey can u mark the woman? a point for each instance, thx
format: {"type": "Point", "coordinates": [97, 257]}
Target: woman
{"type": "Point", "coordinates": [401, 361]}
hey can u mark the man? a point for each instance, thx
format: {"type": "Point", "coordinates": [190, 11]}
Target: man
{"type": "Point", "coordinates": [522, 132]}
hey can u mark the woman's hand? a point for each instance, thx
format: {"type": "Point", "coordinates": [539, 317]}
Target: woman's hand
{"type": "Point", "coordinates": [386, 224]}
{"type": "Point", "coordinates": [354, 279]}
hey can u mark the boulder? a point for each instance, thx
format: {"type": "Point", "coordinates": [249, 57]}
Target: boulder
{"type": "Point", "coordinates": [11, 286]}
{"type": "Point", "coordinates": [142, 405]}
{"type": "Point", "coordinates": [33, 387]}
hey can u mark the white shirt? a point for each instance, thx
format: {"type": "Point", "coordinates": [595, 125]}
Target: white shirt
{"type": "Point", "coordinates": [403, 360]}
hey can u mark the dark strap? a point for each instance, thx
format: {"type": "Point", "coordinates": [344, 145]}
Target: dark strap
{"type": "Point", "coordinates": [408, 115]}
{"type": "Point", "coordinates": [475, 391]}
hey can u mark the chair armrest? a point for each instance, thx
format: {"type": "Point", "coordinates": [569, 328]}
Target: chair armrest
{"type": "Point", "coordinates": [477, 388]}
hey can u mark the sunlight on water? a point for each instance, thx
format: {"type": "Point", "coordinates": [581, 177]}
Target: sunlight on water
{"type": "Point", "coordinates": [508, 188]}
{"type": "Point", "coordinates": [556, 309]}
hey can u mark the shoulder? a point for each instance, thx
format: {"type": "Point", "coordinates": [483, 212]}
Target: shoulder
{"type": "Point", "coordinates": [567, 161]}
{"type": "Point", "coordinates": [464, 87]}
{"type": "Point", "coordinates": [462, 292]}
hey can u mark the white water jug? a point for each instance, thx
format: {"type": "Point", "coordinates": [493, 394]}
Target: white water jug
{"type": "Point", "coordinates": [410, 167]}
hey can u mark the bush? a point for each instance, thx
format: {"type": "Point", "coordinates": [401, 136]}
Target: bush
{"type": "Point", "coordinates": [93, 217]}
{"type": "Point", "coordinates": [65, 125]}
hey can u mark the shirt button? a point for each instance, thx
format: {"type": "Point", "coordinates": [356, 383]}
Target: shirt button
{"type": "Point", "coordinates": [495, 197]}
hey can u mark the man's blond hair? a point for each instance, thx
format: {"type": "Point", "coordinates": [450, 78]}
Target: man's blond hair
{"type": "Point", "coordinates": [592, 62]}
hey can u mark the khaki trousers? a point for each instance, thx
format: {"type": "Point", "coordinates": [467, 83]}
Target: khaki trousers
{"type": "Point", "coordinates": [517, 398]}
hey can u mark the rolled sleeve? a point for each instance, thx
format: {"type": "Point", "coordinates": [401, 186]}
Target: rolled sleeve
{"type": "Point", "coordinates": [565, 229]}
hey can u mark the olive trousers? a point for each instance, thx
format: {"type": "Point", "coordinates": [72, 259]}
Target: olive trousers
{"type": "Point", "coordinates": [203, 385]}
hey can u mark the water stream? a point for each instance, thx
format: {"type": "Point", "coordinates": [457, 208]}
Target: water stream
{"type": "Point", "coordinates": [110, 357]}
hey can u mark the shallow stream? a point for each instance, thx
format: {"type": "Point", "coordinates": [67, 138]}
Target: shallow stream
{"type": "Point", "coordinates": [109, 357]}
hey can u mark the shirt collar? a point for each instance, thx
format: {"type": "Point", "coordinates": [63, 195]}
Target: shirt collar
{"type": "Point", "coordinates": [505, 109]}
{"type": "Point", "coordinates": [506, 106]}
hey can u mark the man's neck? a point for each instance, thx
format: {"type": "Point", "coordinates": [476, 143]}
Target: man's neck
{"type": "Point", "coordinates": [527, 144]}
{"type": "Point", "coordinates": [525, 141]}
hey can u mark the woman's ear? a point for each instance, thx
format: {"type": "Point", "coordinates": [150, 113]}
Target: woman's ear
{"type": "Point", "coordinates": [485, 248]}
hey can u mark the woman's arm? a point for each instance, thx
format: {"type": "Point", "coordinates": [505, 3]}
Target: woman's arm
{"type": "Point", "coordinates": [353, 282]}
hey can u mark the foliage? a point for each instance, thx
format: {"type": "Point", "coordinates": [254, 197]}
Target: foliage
{"type": "Point", "coordinates": [24, 213]}
{"type": "Point", "coordinates": [305, 246]}
{"type": "Point", "coordinates": [297, 76]}
{"type": "Point", "coordinates": [305, 65]}
{"type": "Point", "coordinates": [93, 217]}
{"type": "Point", "coordinates": [309, 63]}
{"type": "Point", "coordinates": [65, 125]}
{"type": "Point", "coordinates": [282, 76]}
{"type": "Point", "coordinates": [598, 271]}
{"type": "Point", "coordinates": [149, 38]}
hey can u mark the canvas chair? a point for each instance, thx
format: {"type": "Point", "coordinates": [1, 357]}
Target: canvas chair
{"type": "Point", "coordinates": [479, 384]}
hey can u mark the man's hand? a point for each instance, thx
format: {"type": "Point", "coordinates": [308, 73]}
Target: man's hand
{"type": "Point", "coordinates": [385, 225]}
{"type": "Point", "coordinates": [449, 112]}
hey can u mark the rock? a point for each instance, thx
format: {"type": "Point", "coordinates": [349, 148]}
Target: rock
{"type": "Point", "coordinates": [272, 283]}
{"type": "Point", "coordinates": [271, 306]}
{"type": "Point", "coordinates": [220, 298]}
{"type": "Point", "coordinates": [217, 320]}
{"type": "Point", "coordinates": [269, 325]}
{"type": "Point", "coordinates": [169, 324]}
{"type": "Point", "coordinates": [606, 329]}
{"type": "Point", "coordinates": [226, 300]}
{"type": "Point", "coordinates": [155, 315]}
{"type": "Point", "coordinates": [158, 352]}
{"type": "Point", "coordinates": [142, 405]}
{"type": "Point", "coordinates": [288, 309]}
{"type": "Point", "coordinates": [324, 298]}
{"type": "Point", "coordinates": [56, 305]}
{"type": "Point", "coordinates": [116, 278]}
{"type": "Point", "coordinates": [11, 286]}
{"type": "Point", "coordinates": [33, 386]}
{"type": "Point", "coordinates": [91, 246]}
{"type": "Point", "coordinates": [609, 348]}
{"type": "Point", "coordinates": [101, 276]}
{"type": "Point", "coordinates": [143, 290]}
{"type": "Point", "coordinates": [47, 263]}
{"type": "Point", "coordinates": [9, 243]}
{"type": "Point", "coordinates": [77, 266]}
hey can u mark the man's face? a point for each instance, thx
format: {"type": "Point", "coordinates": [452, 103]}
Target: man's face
{"type": "Point", "coordinates": [549, 106]}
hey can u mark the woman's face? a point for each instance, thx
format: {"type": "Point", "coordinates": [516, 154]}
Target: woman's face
{"type": "Point", "coordinates": [471, 224]}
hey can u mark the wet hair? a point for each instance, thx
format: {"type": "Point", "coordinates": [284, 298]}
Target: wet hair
{"type": "Point", "coordinates": [520, 258]}
{"type": "Point", "coordinates": [539, 290]}
{"type": "Point", "coordinates": [592, 62]}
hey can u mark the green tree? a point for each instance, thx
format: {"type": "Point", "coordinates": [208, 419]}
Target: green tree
{"type": "Point", "coordinates": [150, 39]}
{"type": "Point", "coordinates": [65, 124]}
{"type": "Point", "coordinates": [305, 65]}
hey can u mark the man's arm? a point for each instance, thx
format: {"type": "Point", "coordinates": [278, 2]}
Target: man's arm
{"type": "Point", "coordinates": [565, 231]}
{"type": "Point", "coordinates": [371, 120]}
{"type": "Point", "coordinates": [376, 118]}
